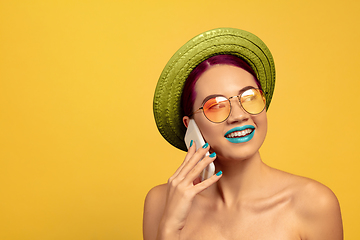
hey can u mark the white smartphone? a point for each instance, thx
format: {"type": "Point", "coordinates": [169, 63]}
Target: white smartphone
{"type": "Point", "coordinates": [193, 133]}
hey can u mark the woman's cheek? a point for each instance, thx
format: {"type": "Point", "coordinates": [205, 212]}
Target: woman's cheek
{"type": "Point", "coordinates": [215, 140]}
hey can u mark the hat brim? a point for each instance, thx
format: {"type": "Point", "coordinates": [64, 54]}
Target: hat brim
{"type": "Point", "coordinates": [167, 97]}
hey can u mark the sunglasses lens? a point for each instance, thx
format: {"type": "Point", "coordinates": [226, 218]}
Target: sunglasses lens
{"type": "Point", "coordinates": [217, 109]}
{"type": "Point", "coordinates": [253, 101]}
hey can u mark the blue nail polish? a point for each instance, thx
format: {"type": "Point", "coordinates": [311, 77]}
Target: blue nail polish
{"type": "Point", "coordinates": [191, 143]}
{"type": "Point", "coordinates": [212, 155]}
{"type": "Point", "coordinates": [219, 173]}
{"type": "Point", "coordinates": [205, 145]}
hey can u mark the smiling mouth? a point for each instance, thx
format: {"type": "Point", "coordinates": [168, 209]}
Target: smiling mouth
{"type": "Point", "coordinates": [238, 134]}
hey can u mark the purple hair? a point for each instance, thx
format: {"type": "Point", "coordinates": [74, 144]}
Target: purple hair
{"type": "Point", "coordinates": [189, 94]}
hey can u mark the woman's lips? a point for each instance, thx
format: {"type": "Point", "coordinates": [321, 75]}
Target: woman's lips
{"type": "Point", "coordinates": [240, 134]}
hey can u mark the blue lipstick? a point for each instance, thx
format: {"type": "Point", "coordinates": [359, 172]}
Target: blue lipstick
{"type": "Point", "coordinates": [236, 138]}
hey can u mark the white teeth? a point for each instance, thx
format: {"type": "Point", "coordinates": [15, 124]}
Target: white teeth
{"type": "Point", "coordinates": [239, 133]}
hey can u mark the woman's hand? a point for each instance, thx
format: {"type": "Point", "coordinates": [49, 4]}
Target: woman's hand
{"type": "Point", "coordinates": [182, 188]}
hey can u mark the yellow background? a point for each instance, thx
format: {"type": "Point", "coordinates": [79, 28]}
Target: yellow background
{"type": "Point", "coordinates": [79, 148]}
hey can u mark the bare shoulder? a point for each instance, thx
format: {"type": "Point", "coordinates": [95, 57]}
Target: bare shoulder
{"type": "Point", "coordinates": [309, 196]}
{"type": "Point", "coordinates": [153, 210]}
{"type": "Point", "coordinates": [156, 194]}
{"type": "Point", "coordinates": [314, 198]}
{"type": "Point", "coordinates": [316, 207]}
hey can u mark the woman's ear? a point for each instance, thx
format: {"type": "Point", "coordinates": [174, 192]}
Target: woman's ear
{"type": "Point", "coordinates": [186, 120]}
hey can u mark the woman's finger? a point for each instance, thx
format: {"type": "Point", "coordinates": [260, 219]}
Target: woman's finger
{"type": "Point", "coordinates": [196, 171]}
{"type": "Point", "coordinates": [188, 156]}
{"type": "Point", "coordinates": [193, 161]}
{"type": "Point", "coordinates": [206, 183]}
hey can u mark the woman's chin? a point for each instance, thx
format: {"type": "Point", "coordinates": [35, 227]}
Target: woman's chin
{"type": "Point", "coordinates": [237, 155]}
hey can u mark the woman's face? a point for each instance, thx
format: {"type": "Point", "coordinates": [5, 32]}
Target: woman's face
{"type": "Point", "coordinates": [228, 81]}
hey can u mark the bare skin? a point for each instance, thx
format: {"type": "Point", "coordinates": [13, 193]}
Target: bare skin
{"type": "Point", "coordinates": [250, 200]}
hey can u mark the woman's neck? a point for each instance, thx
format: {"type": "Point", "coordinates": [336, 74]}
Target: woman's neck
{"type": "Point", "coordinates": [242, 180]}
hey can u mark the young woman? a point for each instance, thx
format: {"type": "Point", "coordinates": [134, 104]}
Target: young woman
{"type": "Point", "coordinates": [227, 94]}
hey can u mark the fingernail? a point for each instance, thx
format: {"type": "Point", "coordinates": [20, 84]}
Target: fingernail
{"type": "Point", "coordinates": [191, 143]}
{"type": "Point", "coordinates": [219, 173]}
{"type": "Point", "coordinates": [213, 154]}
{"type": "Point", "coordinates": [205, 145]}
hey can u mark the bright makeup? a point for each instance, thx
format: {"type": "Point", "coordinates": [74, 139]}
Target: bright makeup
{"type": "Point", "coordinates": [240, 134]}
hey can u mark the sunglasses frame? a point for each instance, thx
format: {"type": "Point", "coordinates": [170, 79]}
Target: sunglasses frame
{"type": "Point", "coordinates": [238, 96]}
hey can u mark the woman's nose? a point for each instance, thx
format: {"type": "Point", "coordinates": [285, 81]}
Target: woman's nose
{"type": "Point", "coordinates": [237, 114]}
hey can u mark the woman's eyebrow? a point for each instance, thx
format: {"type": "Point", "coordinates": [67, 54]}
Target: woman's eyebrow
{"type": "Point", "coordinates": [245, 88]}
{"type": "Point", "coordinates": [211, 96]}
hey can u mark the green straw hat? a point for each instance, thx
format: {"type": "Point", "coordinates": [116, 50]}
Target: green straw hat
{"type": "Point", "coordinates": [167, 97]}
